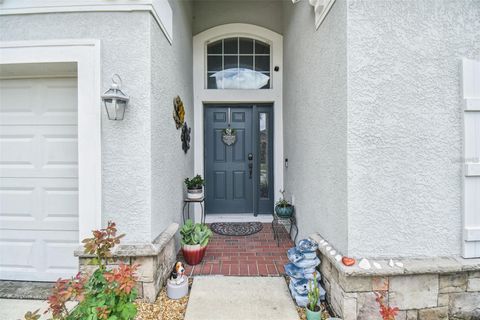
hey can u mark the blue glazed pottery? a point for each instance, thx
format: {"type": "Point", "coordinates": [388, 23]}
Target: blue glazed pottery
{"type": "Point", "coordinates": [300, 288]}
{"type": "Point", "coordinates": [307, 264]}
{"type": "Point", "coordinates": [301, 270]}
{"type": "Point", "coordinates": [284, 212]}
{"type": "Point", "coordinates": [294, 255]}
{"type": "Point", "coordinates": [307, 245]}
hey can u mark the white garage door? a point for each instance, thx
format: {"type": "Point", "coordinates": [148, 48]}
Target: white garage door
{"type": "Point", "coordinates": [38, 178]}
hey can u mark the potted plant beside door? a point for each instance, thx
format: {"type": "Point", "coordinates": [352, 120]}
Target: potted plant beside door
{"type": "Point", "coordinates": [283, 208]}
{"type": "Point", "coordinates": [195, 187]}
{"type": "Point", "coordinates": [194, 241]}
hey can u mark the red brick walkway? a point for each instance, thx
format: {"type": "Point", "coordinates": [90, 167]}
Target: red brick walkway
{"type": "Point", "coordinates": [254, 255]}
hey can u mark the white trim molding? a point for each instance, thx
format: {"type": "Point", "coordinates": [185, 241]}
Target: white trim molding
{"type": "Point", "coordinates": [204, 96]}
{"type": "Point", "coordinates": [471, 177]}
{"type": "Point", "coordinates": [86, 53]}
{"type": "Point", "coordinates": [320, 8]}
{"type": "Point", "coordinates": [160, 9]}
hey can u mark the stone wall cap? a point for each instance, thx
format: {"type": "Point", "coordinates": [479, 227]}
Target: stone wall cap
{"type": "Point", "coordinates": [420, 265]}
{"type": "Point", "coordinates": [139, 249]}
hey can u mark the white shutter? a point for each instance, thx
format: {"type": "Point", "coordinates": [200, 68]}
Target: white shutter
{"type": "Point", "coordinates": [471, 219]}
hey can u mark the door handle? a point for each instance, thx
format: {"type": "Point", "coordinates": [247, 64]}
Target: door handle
{"type": "Point", "coordinates": [250, 165]}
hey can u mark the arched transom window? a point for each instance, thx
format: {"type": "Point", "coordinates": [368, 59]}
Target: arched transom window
{"type": "Point", "coordinates": [238, 63]}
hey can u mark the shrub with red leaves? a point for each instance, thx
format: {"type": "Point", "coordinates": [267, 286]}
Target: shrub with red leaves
{"type": "Point", "coordinates": [122, 278]}
{"type": "Point", "coordinates": [387, 312]}
{"type": "Point", "coordinates": [105, 294]}
{"type": "Point", "coordinates": [63, 291]}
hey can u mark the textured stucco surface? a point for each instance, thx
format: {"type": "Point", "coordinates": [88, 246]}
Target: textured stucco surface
{"type": "Point", "coordinates": [125, 144]}
{"type": "Point", "coordinates": [137, 151]}
{"type": "Point", "coordinates": [171, 75]}
{"type": "Point", "coordinates": [315, 120]}
{"type": "Point", "coordinates": [211, 13]}
{"type": "Point", "coordinates": [405, 125]}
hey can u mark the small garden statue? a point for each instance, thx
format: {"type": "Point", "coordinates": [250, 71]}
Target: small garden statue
{"type": "Point", "coordinates": [178, 273]}
{"type": "Point", "coordinates": [177, 284]}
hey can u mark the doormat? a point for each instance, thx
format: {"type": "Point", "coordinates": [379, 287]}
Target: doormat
{"type": "Point", "coordinates": [236, 228]}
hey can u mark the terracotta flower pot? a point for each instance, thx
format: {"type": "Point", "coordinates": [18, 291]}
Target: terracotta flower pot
{"type": "Point", "coordinates": [193, 254]}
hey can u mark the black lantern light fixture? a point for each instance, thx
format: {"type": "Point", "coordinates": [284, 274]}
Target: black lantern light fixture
{"type": "Point", "coordinates": [115, 100]}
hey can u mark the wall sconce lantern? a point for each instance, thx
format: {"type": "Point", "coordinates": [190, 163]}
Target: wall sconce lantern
{"type": "Point", "coordinates": [115, 100]}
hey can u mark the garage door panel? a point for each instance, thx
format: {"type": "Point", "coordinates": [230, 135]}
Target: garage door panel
{"type": "Point", "coordinates": [42, 255]}
{"type": "Point", "coordinates": [60, 256]}
{"type": "Point", "coordinates": [38, 101]}
{"type": "Point", "coordinates": [17, 203]}
{"type": "Point", "coordinates": [23, 250]}
{"type": "Point", "coordinates": [17, 97]}
{"type": "Point", "coordinates": [38, 151]}
{"type": "Point", "coordinates": [43, 204]}
{"type": "Point", "coordinates": [16, 151]}
{"type": "Point", "coordinates": [38, 179]}
{"type": "Point", "coordinates": [60, 96]}
{"type": "Point", "coordinates": [61, 151]}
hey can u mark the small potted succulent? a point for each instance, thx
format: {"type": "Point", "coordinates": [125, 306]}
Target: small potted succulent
{"type": "Point", "coordinates": [194, 241]}
{"type": "Point", "coordinates": [283, 208]}
{"type": "Point", "coordinates": [195, 187]}
{"type": "Point", "coordinates": [314, 312]}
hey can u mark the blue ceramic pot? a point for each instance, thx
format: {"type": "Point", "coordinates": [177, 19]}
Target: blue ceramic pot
{"type": "Point", "coordinates": [312, 315]}
{"type": "Point", "coordinates": [284, 212]}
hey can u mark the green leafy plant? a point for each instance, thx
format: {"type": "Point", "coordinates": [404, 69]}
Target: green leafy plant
{"type": "Point", "coordinates": [282, 202]}
{"type": "Point", "coordinates": [313, 294]}
{"type": "Point", "coordinates": [106, 294]}
{"type": "Point", "coordinates": [195, 183]}
{"type": "Point", "coordinates": [193, 234]}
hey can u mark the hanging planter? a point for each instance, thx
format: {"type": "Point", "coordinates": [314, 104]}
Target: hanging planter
{"type": "Point", "coordinates": [229, 136]}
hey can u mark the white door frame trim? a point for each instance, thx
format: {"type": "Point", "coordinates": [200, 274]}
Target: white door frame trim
{"type": "Point", "coordinates": [471, 165]}
{"type": "Point", "coordinates": [205, 96]}
{"type": "Point", "coordinates": [86, 53]}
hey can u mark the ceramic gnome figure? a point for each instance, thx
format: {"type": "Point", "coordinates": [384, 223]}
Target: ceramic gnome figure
{"type": "Point", "coordinates": [177, 284]}
{"type": "Point", "coordinates": [301, 270]}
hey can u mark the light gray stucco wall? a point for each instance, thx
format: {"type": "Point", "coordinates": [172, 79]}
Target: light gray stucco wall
{"type": "Point", "coordinates": [171, 76]}
{"type": "Point", "coordinates": [125, 144]}
{"type": "Point", "coordinates": [137, 151]}
{"type": "Point", "coordinates": [211, 13]}
{"type": "Point", "coordinates": [315, 119]}
{"type": "Point", "coordinates": [405, 125]}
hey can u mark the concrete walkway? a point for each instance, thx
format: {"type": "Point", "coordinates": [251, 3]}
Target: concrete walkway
{"type": "Point", "coordinates": [14, 309]}
{"type": "Point", "coordinates": [242, 298]}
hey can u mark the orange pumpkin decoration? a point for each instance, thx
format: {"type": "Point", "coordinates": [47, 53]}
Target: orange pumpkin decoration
{"type": "Point", "coordinates": [348, 261]}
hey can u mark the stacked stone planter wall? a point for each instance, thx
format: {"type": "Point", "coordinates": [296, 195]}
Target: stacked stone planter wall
{"type": "Point", "coordinates": [430, 289]}
{"type": "Point", "coordinates": [156, 261]}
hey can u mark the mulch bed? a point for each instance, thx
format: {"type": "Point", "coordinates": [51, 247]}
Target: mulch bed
{"type": "Point", "coordinates": [163, 308]}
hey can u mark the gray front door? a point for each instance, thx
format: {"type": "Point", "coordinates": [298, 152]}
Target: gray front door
{"type": "Point", "coordinates": [239, 177]}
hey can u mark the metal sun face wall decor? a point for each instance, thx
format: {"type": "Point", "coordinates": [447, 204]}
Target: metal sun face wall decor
{"type": "Point", "coordinates": [178, 112]}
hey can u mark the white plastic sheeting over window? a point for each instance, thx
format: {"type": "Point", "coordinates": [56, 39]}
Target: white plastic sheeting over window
{"type": "Point", "coordinates": [238, 63]}
{"type": "Point", "coordinates": [240, 79]}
